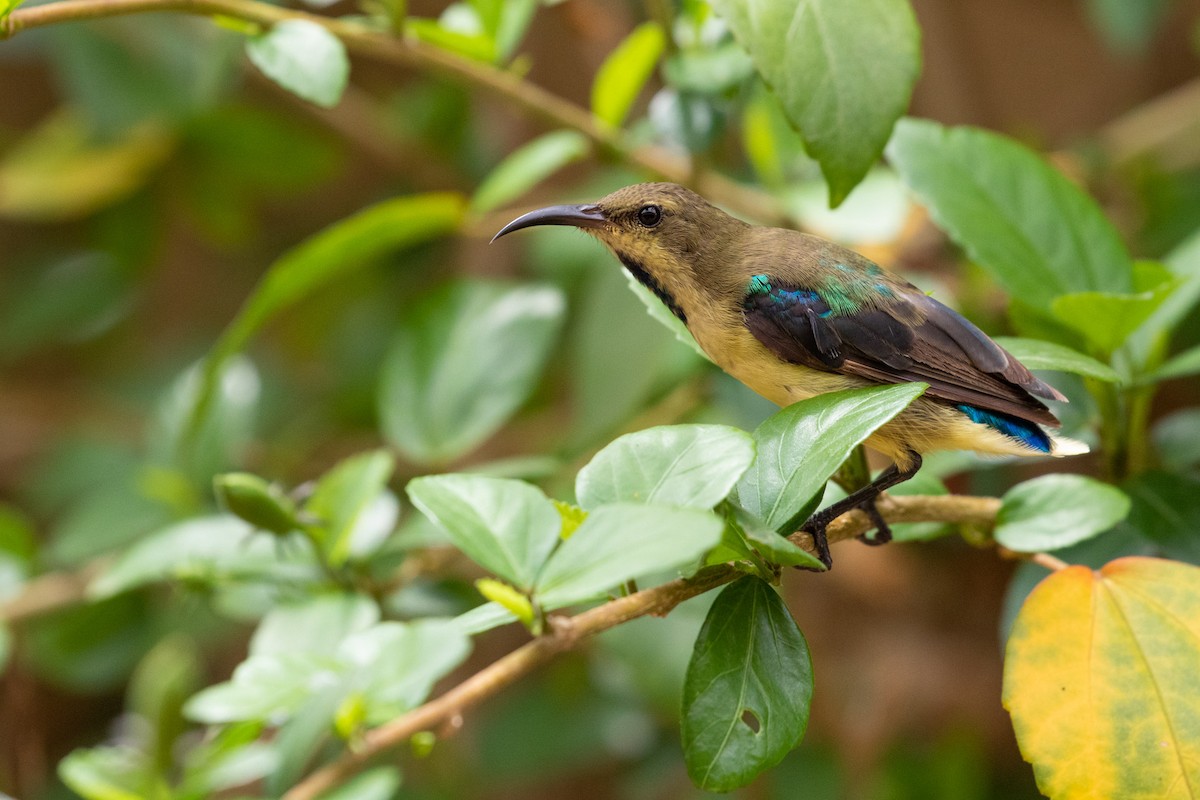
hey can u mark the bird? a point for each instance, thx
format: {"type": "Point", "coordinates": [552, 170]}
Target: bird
{"type": "Point", "coordinates": [793, 316]}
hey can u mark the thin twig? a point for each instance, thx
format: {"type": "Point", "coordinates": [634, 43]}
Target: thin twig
{"type": "Point", "coordinates": [410, 52]}
{"type": "Point", "coordinates": [51, 592]}
{"type": "Point", "coordinates": [568, 631]}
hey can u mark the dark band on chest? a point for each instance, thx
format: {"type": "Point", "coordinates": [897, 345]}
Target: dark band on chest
{"type": "Point", "coordinates": [647, 280]}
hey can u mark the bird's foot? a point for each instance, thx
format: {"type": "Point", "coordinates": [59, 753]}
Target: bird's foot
{"type": "Point", "coordinates": [815, 527]}
{"type": "Point", "coordinates": [883, 533]}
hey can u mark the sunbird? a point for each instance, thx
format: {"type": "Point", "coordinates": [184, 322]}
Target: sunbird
{"type": "Point", "coordinates": [793, 316]}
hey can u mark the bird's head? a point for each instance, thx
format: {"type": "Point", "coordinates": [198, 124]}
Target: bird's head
{"type": "Point", "coordinates": [663, 230]}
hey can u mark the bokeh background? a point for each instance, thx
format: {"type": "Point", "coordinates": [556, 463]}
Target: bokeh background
{"type": "Point", "coordinates": [149, 176]}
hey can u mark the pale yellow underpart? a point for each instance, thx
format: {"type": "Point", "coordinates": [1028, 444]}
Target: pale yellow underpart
{"type": "Point", "coordinates": [923, 427]}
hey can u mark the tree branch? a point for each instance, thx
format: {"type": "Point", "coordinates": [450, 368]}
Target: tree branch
{"type": "Point", "coordinates": [568, 631]}
{"type": "Point", "coordinates": [410, 52]}
{"type": "Point", "coordinates": [51, 592]}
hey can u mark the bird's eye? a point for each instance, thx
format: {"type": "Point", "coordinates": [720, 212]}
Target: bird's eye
{"type": "Point", "coordinates": [649, 216]}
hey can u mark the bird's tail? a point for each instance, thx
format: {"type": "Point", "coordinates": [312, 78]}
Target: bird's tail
{"type": "Point", "coordinates": [1062, 446]}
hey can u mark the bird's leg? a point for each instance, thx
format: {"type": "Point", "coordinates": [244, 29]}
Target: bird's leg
{"type": "Point", "coordinates": [864, 498]}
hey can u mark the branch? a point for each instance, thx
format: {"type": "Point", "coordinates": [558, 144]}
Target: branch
{"type": "Point", "coordinates": [569, 631]}
{"type": "Point", "coordinates": [410, 52]}
{"type": "Point", "coordinates": [51, 592]}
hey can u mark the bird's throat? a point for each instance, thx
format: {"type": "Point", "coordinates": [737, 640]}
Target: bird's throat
{"type": "Point", "coordinates": [646, 279]}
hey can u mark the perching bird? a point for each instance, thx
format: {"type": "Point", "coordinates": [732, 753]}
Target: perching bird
{"type": "Point", "coordinates": [793, 316]}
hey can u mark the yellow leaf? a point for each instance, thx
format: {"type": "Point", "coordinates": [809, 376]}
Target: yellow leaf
{"type": "Point", "coordinates": [507, 596]}
{"type": "Point", "coordinates": [58, 173]}
{"type": "Point", "coordinates": [1102, 678]}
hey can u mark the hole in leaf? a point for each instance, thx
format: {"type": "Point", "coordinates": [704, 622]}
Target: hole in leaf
{"type": "Point", "coordinates": [751, 720]}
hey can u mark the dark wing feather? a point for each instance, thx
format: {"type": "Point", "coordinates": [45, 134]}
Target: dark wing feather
{"type": "Point", "coordinates": [910, 337]}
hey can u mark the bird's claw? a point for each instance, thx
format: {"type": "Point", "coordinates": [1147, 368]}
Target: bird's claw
{"type": "Point", "coordinates": [883, 533]}
{"type": "Point", "coordinates": [815, 527]}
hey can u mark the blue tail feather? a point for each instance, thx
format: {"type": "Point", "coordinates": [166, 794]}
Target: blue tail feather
{"type": "Point", "coordinates": [1023, 431]}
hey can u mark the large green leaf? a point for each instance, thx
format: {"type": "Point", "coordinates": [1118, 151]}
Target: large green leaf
{"type": "Point", "coordinates": [304, 58]}
{"type": "Point", "coordinates": [506, 526]}
{"type": "Point", "coordinates": [344, 499]}
{"type": "Point", "coordinates": [620, 542]}
{"type": "Point", "coordinates": [1036, 354]}
{"type": "Point", "coordinates": [317, 261]}
{"type": "Point", "coordinates": [1127, 26]}
{"type": "Point", "coordinates": [1107, 319]}
{"type": "Point", "coordinates": [527, 167]}
{"type": "Point", "coordinates": [748, 688]}
{"type": "Point", "coordinates": [1034, 230]}
{"type": "Point", "coordinates": [805, 443]}
{"type": "Point", "coordinates": [314, 624]}
{"type": "Point", "coordinates": [691, 466]}
{"type": "Point", "coordinates": [1100, 679]}
{"type": "Point", "coordinates": [843, 69]}
{"type": "Point", "coordinates": [109, 773]}
{"type": "Point", "coordinates": [1055, 511]}
{"type": "Point", "coordinates": [1166, 510]}
{"type": "Point", "coordinates": [463, 362]}
{"type": "Point", "coordinates": [1182, 365]}
{"type": "Point", "coordinates": [623, 74]}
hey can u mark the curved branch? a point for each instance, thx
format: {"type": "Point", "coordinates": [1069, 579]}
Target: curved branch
{"type": "Point", "coordinates": [410, 52]}
{"type": "Point", "coordinates": [568, 631]}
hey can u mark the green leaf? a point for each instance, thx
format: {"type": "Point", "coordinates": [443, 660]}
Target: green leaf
{"type": "Point", "coordinates": [344, 499]}
{"type": "Point", "coordinates": [621, 542]}
{"type": "Point", "coordinates": [319, 260]}
{"type": "Point", "coordinates": [442, 393]}
{"type": "Point", "coordinates": [314, 625]}
{"type": "Point", "coordinates": [7, 7]}
{"type": "Point", "coordinates": [1107, 319]}
{"type": "Point", "coordinates": [1166, 510]}
{"type": "Point", "coordinates": [504, 595]}
{"type": "Point", "coordinates": [661, 314]}
{"type": "Point", "coordinates": [108, 773]}
{"type": "Point", "coordinates": [773, 546]}
{"type": "Point", "coordinates": [843, 69]}
{"type": "Point", "coordinates": [1055, 511]}
{"type": "Point", "coordinates": [1177, 438]}
{"type": "Point", "coordinates": [304, 58]}
{"type": "Point", "coordinates": [380, 783]}
{"type": "Point", "coordinates": [475, 46]}
{"type": "Point", "coordinates": [528, 166]}
{"type": "Point", "coordinates": [263, 688]}
{"type": "Point", "coordinates": [1036, 354]}
{"type": "Point", "coordinates": [1100, 680]}
{"type": "Point", "coordinates": [248, 497]}
{"type": "Point", "coordinates": [624, 73]}
{"type": "Point", "coordinates": [1182, 365]}
{"type": "Point", "coordinates": [396, 664]}
{"type": "Point", "coordinates": [1037, 233]}
{"type": "Point", "coordinates": [216, 548]}
{"type": "Point", "coordinates": [1127, 26]}
{"type": "Point", "coordinates": [748, 688]}
{"type": "Point", "coordinates": [506, 526]}
{"type": "Point", "coordinates": [691, 466]}
{"type": "Point", "coordinates": [802, 445]}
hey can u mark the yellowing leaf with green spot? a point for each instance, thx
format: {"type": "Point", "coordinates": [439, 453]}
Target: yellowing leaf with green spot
{"type": "Point", "coordinates": [1102, 678]}
{"type": "Point", "coordinates": [623, 74]}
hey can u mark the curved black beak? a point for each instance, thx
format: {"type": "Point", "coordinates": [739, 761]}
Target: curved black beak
{"type": "Point", "coordinates": [585, 216]}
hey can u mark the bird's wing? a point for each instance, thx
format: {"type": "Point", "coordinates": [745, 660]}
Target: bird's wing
{"type": "Point", "coordinates": [901, 336]}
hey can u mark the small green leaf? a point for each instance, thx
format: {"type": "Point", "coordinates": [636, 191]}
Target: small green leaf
{"type": "Point", "coordinates": [508, 527]}
{"type": "Point", "coordinates": [690, 466]}
{"type": "Point", "coordinates": [1037, 233]}
{"type": "Point", "coordinates": [748, 688]}
{"type": "Point", "coordinates": [843, 69]}
{"type": "Point", "coordinates": [215, 549]}
{"type": "Point", "coordinates": [621, 542]}
{"type": "Point", "coordinates": [475, 46]}
{"type": "Point", "coordinates": [805, 443]}
{"type": "Point", "coordinates": [442, 393]}
{"type": "Point", "coordinates": [108, 773]}
{"type": "Point", "coordinates": [304, 58]}
{"type": "Point", "coordinates": [349, 718]}
{"type": "Point", "coordinates": [660, 313]}
{"type": "Point", "coordinates": [774, 547]}
{"type": "Point", "coordinates": [502, 594]}
{"type": "Point", "coordinates": [1107, 319]}
{"type": "Point", "coordinates": [1127, 27]}
{"type": "Point", "coordinates": [1166, 510]}
{"type": "Point", "coordinates": [314, 625]}
{"type": "Point", "coordinates": [1055, 511]}
{"type": "Point", "coordinates": [1036, 354]}
{"type": "Point", "coordinates": [572, 517]}
{"type": "Point", "coordinates": [344, 499]}
{"type": "Point", "coordinates": [319, 260]}
{"type": "Point", "coordinates": [1182, 365]}
{"type": "Point", "coordinates": [527, 167]}
{"type": "Point", "coordinates": [264, 505]}
{"type": "Point", "coordinates": [380, 783]}
{"type": "Point", "coordinates": [623, 74]}
{"type": "Point", "coordinates": [7, 7]}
